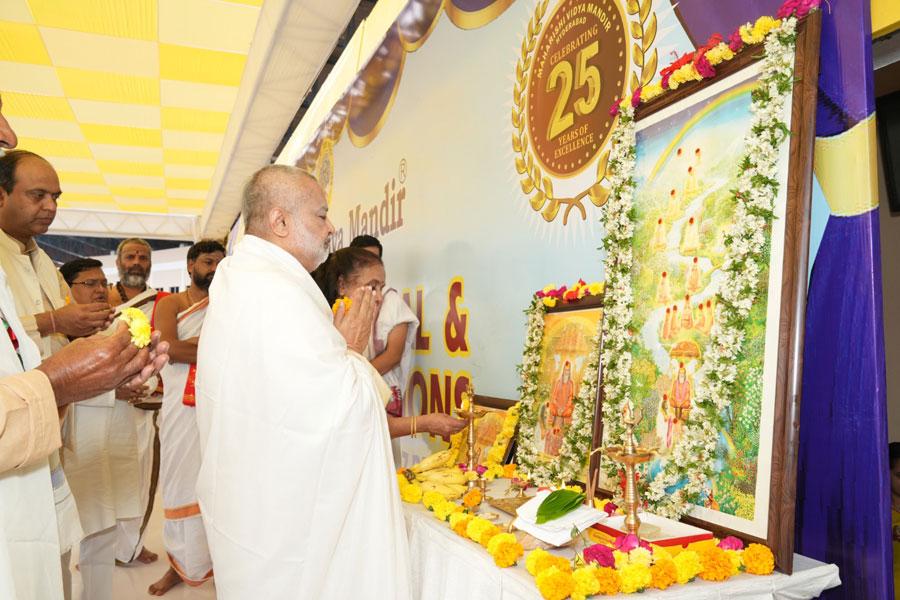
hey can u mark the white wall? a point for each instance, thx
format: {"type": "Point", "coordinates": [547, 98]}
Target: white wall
{"type": "Point", "coordinates": [169, 268]}
{"type": "Point", "coordinates": [890, 273]}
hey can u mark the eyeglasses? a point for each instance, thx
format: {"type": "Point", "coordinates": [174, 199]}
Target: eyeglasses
{"type": "Point", "coordinates": [92, 283]}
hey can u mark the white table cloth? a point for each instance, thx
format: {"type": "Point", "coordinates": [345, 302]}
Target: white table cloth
{"type": "Point", "coordinates": [448, 567]}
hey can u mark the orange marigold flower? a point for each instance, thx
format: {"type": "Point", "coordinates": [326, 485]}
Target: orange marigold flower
{"type": "Point", "coordinates": [716, 564]}
{"type": "Point", "coordinates": [663, 574]}
{"type": "Point", "coordinates": [609, 581]}
{"type": "Point", "coordinates": [758, 560]}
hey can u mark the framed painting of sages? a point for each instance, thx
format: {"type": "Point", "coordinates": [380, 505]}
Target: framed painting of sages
{"type": "Point", "coordinates": [693, 146]}
{"type": "Point", "coordinates": [559, 390]}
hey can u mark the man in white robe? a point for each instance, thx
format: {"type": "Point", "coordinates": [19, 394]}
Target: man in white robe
{"type": "Point", "coordinates": [86, 459]}
{"type": "Point", "coordinates": [297, 486]}
{"type": "Point", "coordinates": [135, 421]}
{"type": "Point", "coordinates": [179, 319]}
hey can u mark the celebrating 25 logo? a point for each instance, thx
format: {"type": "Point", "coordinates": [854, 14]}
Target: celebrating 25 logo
{"type": "Point", "coordinates": [570, 70]}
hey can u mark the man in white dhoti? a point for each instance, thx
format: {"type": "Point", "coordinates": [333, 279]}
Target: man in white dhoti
{"type": "Point", "coordinates": [179, 319]}
{"type": "Point", "coordinates": [134, 261]}
{"type": "Point", "coordinates": [88, 440]}
{"type": "Point", "coordinates": [297, 485]}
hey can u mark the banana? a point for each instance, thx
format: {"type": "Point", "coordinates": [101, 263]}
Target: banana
{"type": "Point", "coordinates": [448, 491]}
{"type": "Point", "coordinates": [444, 475]}
{"type": "Point", "coordinates": [438, 459]}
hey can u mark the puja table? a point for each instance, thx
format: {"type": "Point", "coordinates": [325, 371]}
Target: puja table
{"type": "Point", "coordinates": [447, 567]}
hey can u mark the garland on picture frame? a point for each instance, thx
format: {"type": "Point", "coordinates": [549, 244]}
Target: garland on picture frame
{"type": "Point", "coordinates": [576, 443]}
{"type": "Point", "coordinates": [681, 482]}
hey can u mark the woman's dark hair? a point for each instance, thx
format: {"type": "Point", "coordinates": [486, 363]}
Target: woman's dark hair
{"type": "Point", "coordinates": [894, 453]}
{"type": "Point", "coordinates": [343, 263]}
{"type": "Point", "coordinates": [367, 241]}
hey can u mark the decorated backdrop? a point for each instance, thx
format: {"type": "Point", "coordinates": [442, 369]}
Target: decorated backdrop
{"type": "Point", "coordinates": [474, 143]}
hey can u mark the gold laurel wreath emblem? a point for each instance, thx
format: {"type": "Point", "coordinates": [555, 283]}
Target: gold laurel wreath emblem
{"type": "Point", "coordinates": [534, 182]}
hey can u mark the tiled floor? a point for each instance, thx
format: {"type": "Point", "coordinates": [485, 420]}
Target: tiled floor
{"type": "Point", "coordinates": [132, 582]}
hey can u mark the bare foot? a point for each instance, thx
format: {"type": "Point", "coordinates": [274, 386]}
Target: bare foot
{"type": "Point", "coordinates": [165, 583]}
{"type": "Point", "coordinates": [146, 556]}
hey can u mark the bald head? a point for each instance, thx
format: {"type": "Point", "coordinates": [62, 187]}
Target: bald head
{"type": "Point", "coordinates": [286, 206]}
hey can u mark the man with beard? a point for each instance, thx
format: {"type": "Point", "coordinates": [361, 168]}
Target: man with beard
{"type": "Point", "coordinates": [297, 485]}
{"type": "Point", "coordinates": [133, 260]}
{"type": "Point", "coordinates": [179, 318]}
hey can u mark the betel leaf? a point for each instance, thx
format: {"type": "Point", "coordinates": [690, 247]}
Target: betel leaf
{"type": "Point", "coordinates": [558, 504]}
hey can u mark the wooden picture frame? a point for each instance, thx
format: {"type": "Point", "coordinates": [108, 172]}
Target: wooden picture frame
{"type": "Point", "coordinates": [591, 309]}
{"type": "Point", "coordinates": [785, 383]}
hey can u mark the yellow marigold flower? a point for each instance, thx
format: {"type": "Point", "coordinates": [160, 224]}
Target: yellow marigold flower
{"type": "Point", "coordinates": [549, 288]}
{"type": "Point", "coordinates": [347, 302]}
{"type": "Point", "coordinates": [430, 499]}
{"type": "Point", "coordinates": [509, 471]}
{"type": "Point", "coordinates": [471, 475]}
{"type": "Point", "coordinates": [716, 564]}
{"type": "Point", "coordinates": [488, 535]}
{"type": "Point", "coordinates": [446, 508]}
{"type": "Point", "coordinates": [719, 54]}
{"type": "Point", "coordinates": [640, 556]}
{"type": "Point", "coordinates": [758, 560]}
{"type": "Point", "coordinates": [746, 33]}
{"type": "Point", "coordinates": [459, 522]}
{"type": "Point", "coordinates": [411, 493]}
{"type": "Point", "coordinates": [621, 558]}
{"type": "Point", "coordinates": [663, 574]}
{"type": "Point", "coordinates": [687, 566]}
{"type": "Point", "coordinates": [735, 557]}
{"type": "Point", "coordinates": [586, 583]}
{"type": "Point", "coordinates": [634, 577]}
{"type": "Point", "coordinates": [539, 560]}
{"type": "Point", "coordinates": [505, 549]}
{"type": "Point", "coordinates": [494, 471]}
{"type": "Point", "coordinates": [608, 581]}
{"type": "Point", "coordinates": [648, 92]}
{"type": "Point", "coordinates": [548, 301]}
{"type": "Point", "coordinates": [476, 527]}
{"type": "Point", "coordinates": [138, 326]}
{"type": "Point", "coordinates": [763, 26]}
{"type": "Point", "coordinates": [472, 498]}
{"type": "Point", "coordinates": [555, 584]}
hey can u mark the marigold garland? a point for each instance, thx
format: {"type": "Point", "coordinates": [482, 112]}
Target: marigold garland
{"type": "Point", "coordinates": [687, 566]}
{"type": "Point", "coordinates": [663, 574]}
{"type": "Point", "coordinates": [505, 549]}
{"type": "Point", "coordinates": [635, 577]}
{"type": "Point", "coordinates": [586, 583]}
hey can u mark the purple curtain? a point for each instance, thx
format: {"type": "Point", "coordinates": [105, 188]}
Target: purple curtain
{"type": "Point", "coordinates": [843, 493]}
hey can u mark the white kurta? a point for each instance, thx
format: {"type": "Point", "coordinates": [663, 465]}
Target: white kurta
{"type": "Point", "coordinates": [297, 486]}
{"type": "Point", "coordinates": [179, 464]}
{"type": "Point", "coordinates": [29, 541]}
{"type": "Point", "coordinates": [132, 446]}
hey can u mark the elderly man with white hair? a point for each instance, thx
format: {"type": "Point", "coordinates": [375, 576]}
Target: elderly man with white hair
{"type": "Point", "coordinates": [297, 485]}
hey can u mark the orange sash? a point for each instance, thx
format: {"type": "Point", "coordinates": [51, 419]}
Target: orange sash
{"type": "Point", "coordinates": [189, 398]}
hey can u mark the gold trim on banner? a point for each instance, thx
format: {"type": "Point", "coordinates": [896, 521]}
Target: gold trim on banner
{"type": "Point", "coordinates": [846, 168]}
{"type": "Point", "coordinates": [415, 45]}
{"type": "Point", "coordinates": [537, 185]}
{"type": "Point", "coordinates": [361, 141]}
{"type": "Point", "coordinates": [479, 18]}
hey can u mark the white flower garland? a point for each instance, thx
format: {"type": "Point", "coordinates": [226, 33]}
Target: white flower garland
{"type": "Point", "coordinates": [693, 457]}
{"type": "Point", "coordinates": [577, 441]}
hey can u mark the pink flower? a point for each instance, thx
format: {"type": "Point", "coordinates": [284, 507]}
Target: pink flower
{"type": "Point", "coordinates": [627, 543]}
{"type": "Point", "coordinates": [610, 509]}
{"type": "Point", "coordinates": [480, 469]}
{"type": "Point", "coordinates": [636, 97]}
{"type": "Point", "coordinates": [614, 109]}
{"type": "Point", "coordinates": [731, 543]}
{"type": "Point", "coordinates": [735, 42]}
{"type": "Point", "coordinates": [703, 67]}
{"type": "Point", "coordinates": [799, 8]}
{"type": "Point", "coordinates": [463, 467]}
{"type": "Point", "coordinates": [600, 554]}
